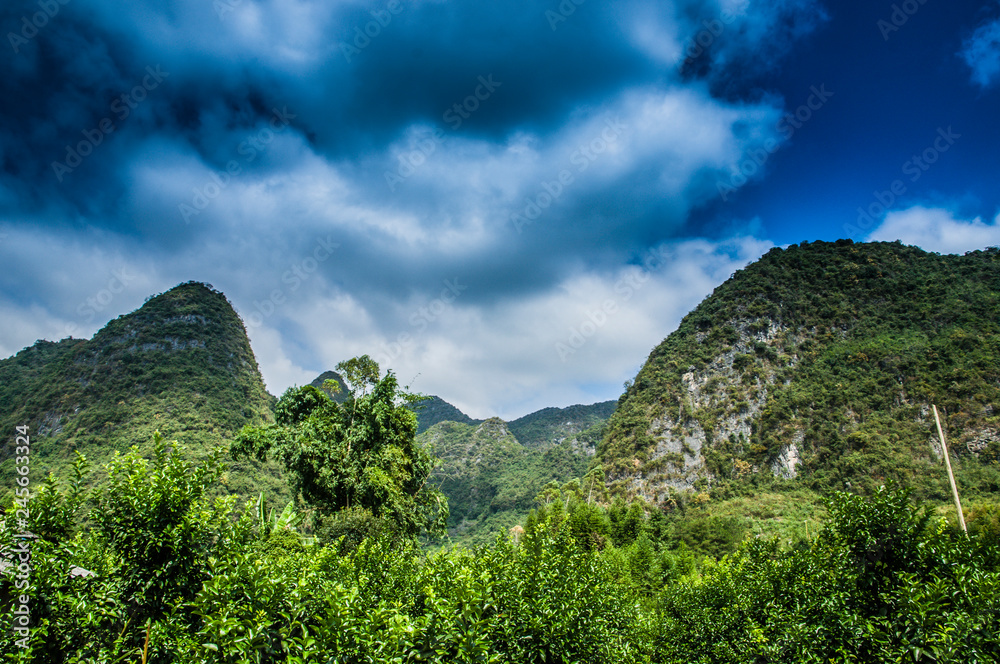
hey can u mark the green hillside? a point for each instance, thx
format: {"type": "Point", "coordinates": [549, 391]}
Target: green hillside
{"type": "Point", "coordinates": [181, 364]}
{"type": "Point", "coordinates": [820, 362]}
{"type": "Point", "coordinates": [491, 477]}
{"type": "Point", "coordinates": [433, 409]}
{"type": "Point", "coordinates": [550, 426]}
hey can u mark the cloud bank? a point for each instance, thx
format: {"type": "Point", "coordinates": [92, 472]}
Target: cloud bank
{"type": "Point", "coordinates": [937, 230]}
{"type": "Point", "coordinates": [454, 187]}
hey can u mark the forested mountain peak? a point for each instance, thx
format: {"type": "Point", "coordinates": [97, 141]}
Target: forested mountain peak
{"type": "Point", "coordinates": [181, 364]}
{"type": "Point", "coordinates": [340, 396]}
{"type": "Point", "coordinates": [820, 360]}
{"type": "Point", "coordinates": [434, 409]}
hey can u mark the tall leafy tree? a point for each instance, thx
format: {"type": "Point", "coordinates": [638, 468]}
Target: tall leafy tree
{"type": "Point", "coordinates": [357, 461]}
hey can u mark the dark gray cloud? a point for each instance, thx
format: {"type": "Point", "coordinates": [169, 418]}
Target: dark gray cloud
{"type": "Point", "coordinates": [225, 74]}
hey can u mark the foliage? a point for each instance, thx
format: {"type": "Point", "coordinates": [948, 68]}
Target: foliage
{"type": "Point", "coordinates": [884, 580]}
{"type": "Point", "coordinates": [157, 520]}
{"type": "Point", "coordinates": [101, 588]}
{"type": "Point", "coordinates": [53, 513]}
{"type": "Point", "coordinates": [359, 456]}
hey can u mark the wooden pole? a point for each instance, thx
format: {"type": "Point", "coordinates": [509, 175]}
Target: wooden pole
{"type": "Point", "coordinates": [951, 475]}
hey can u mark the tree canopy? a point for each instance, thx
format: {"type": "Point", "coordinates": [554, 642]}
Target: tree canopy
{"type": "Point", "coordinates": [357, 461]}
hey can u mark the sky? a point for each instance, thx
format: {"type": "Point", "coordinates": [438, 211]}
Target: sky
{"type": "Point", "coordinates": [507, 204]}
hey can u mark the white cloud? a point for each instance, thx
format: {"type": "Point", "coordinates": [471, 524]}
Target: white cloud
{"type": "Point", "coordinates": [981, 52]}
{"type": "Point", "coordinates": [56, 285]}
{"type": "Point", "coordinates": [672, 141]}
{"type": "Point", "coordinates": [937, 229]}
{"type": "Point", "coordinates": [278, 370]}
{"type": "Point", "coordinates": [576, 342]}
{"type": "Point", "coordinates": [21, 325]}
{"type": "Point", "coordinates": [287, 35]}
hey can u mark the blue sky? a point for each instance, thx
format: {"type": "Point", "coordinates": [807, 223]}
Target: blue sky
{"type": "Point", "coordinates": [507, 204]}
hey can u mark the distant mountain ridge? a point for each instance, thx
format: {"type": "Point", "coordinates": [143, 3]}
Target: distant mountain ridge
{"type": "Point", "coordinates": [491, 479]}
{"type": "Point", "coordinates": [545, 427]}
{"type": "Point", "coordinates": [434, 409]}
{"type": "Point", "coordinates": [550, 426]}
{"type": "Point", "coordinates": [492, 470]}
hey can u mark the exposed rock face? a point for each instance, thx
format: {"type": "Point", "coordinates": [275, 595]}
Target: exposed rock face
{"type": "Point", "coordinates": [787, 462]}
{"type": "Point", "coordinates": [494, 428]}
{"type": "Point", "coordinates": [980, 440]}
{"type": "Point", "coordinates": [677, 461]}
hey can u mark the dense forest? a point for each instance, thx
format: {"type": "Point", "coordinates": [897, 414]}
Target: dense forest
{"type": "Point", "coordinates": [159, 570]}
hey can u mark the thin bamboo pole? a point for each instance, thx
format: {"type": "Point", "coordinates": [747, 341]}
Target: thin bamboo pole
{"type": "Point", "coordinates": [951, 475]}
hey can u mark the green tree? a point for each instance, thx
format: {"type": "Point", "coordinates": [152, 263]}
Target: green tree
{"type": "Point", "coordinates": [594, 486]}
{"type": "Point", "coordinates": [357, 462]}
{"type": "Point", "coordinates": [54, 512]}
{"type": "Point", "coordinates": [157, 519]}
{"type": "Point", "coordinates": [550, 492]}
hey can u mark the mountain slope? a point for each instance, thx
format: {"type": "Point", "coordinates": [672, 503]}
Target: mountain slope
{"type": "Point", "coordinates": [491, 479]}
{"type": "Point", "coordinates": [181, 364]}
{"type": "Point", "coordinates": [433, 409]}
{"type": "Point", "coordinates": [821, 362]}
{"type": "Point", "coordinates": [551, 426]}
